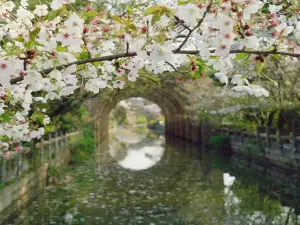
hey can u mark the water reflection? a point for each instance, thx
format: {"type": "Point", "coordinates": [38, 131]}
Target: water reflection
{"type": "Point", "coordinates": [143, 158]}
{"type": "Point", "coordinates": [180, 185]}
{"type": "Point", "coordinates": [127, 136]}
{"type": "Point", "coordinates": [135, 151]}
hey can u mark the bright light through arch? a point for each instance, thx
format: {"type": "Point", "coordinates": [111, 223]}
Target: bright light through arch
{"type": "Point", "coordinates": [136, 134]}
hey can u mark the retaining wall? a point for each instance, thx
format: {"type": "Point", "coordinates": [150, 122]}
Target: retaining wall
{"type": "Point", "coordinates": [19, 193]}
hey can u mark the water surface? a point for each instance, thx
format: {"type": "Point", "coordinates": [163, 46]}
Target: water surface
{"type": "Point", "coordinates": [150, 182]}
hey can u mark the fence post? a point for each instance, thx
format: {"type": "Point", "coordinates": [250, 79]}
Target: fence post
{"type": "Point", "coordinates": [3, 169]}
{"type": "Point", "coordinates": [241, 136]}
{"type": "Point", "coordinates": [268, 137]}
{"type": "Point", "coordinates": [279, 139]}
{"type": "Point", "coordinates": [19, 161]}
{"type": "Point", "coordinates": [294, 143]}
{"type": "Point", "coordinates": [59, 140]}
{"type": "Point", "coordinates": [50, 145]}
{"type": "Point", "coordinates": [42, 150]}
{"type": "Point", "coordinates": [66, 139]}
{"type": "Point", "coordinates": [257, 136]}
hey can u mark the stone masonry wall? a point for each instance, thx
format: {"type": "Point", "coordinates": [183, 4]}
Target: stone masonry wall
{"type": "Point", "coordinates": [23, 190]}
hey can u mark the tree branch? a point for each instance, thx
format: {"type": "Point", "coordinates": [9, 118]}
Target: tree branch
{"type": "Point", "coordinates": [192, 30]}
{"type": "Point", "coordinates": [131, 54]}
{"type": "Point", "coordinates": [252, 52]}
{"type": "Point", "coordinates": [80, 62]}
{"type": "Point", "coordinates": [176, 70]}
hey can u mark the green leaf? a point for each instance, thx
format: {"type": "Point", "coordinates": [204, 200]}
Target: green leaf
{"type": "Point", "coordinates": [20, 39]}
{"type": "Point", "coordinates": [31, 44]}
{"type": "Point", "coordinates": [182, 2]}
{"type": "Point", "coordinates": [196, 75]}
{"type": "Point", "coordinates": [60, 48]}
{"type": "Point", "coordinates": [38, 117]}
{"type": "Point", "coordinates": [129, 9]}
{"type": "Point", "coordinates": [240, 56]}
{"type": "Point", "coordinates": [132, 27]}
{"type": "Point", "coordinates": [118, 19]}
{"type": "Point", "coordinates": [259, 67]}
{"type": "Point", "coordinates": [84, 55]}
{"type": "Point", "coordinates": [34, 33]}
{"type": "Point", "coordinates": [5, 117]}
{"type": "Point", "coordinates": [92, 13]}
{"type": "Point", "coordinates": [156, 17]}
{"type": "Point", "coordinates": [276, 57]}
{"type": "Point", "coordinates": [245, 62]}
{"type": "Point", "coordinates": [156, 9]}
{"type": "Point", "coordinates": [52, 14]}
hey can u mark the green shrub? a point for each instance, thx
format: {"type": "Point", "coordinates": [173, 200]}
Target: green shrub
{"type": "Point", "coordinates": [83, 149]}
{"type": "Point", "coordinates": [252, 149]}
{"type": "Point", "coordinates": [219, 141]}
{"type": "Point", "coordinates": [2, 185]}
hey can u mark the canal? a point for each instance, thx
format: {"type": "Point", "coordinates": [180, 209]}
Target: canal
{"type": "Point", "coordinates": [153, 180]}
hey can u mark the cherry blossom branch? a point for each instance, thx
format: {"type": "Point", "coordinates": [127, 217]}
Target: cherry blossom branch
{"type": "Point", "coordinates": [192, 30]}
{"type": "Point", "coordinates": [176, 70]}
{"type": "Point", "coordinates": [180, 22]}
{"type": "Point", "coordinates": [131, 54]}
{"type": "Point", "coordinates": [80, 62]}
{"type": "Point", "coordinates": [251, 52]}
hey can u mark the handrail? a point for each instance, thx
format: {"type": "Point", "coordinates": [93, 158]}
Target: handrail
{"type": "Point", "coordinates": [17, 163]}
{"type": "Point", "coordinates": [266, 135]}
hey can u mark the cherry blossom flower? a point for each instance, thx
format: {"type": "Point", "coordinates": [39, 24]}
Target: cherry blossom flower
{"type": "Point", "coordinates": [118, 84]}
{"type": "Point", "coordinates": [222, 49]}
{"type": "Point", "coordinates": [2, 106]}
{"type": "Point", "coordinates": [132, 76]}
{"type": "Point", "coordinates": [222, 77]}
{"type": "Point", "coordinates": [71, 79]}
{"type": "Point", "coordinates": [255, 90]}
{"type": "Point", "coordinates": [252, 7]}
{"type": "Point", "coordinates": [94, 85]}
{"type": "Point", "coordinates": [74, 25]}
{"type": "Point", "coordinates": [32, 77]}
{"type": "Point", "coordinates": [283, 29]}
{"type": "Point", "coordinates": [56, 74]}
{"type": "Point", "coordinates": [24, 3]}
{"type": "Point", "coordinates": [41, 10]}
{"type": "Point", "coordinates": [189, 13]}
{"type": "Point", "coordinates": [57, 4]}
{"type": "Point", "coordinates": [32, 66]}
{"type": "Point", "coordinates": [224, 24]}
{"type": "Point", "coordinates": [68, 90]}
{"type": "Point", "coordinates": [119, 72]}
{"type": "Point", "coordinates": [67, 40]}
{"type": "Point", "coordinates": [239, 80]}
{"type": "Point", "coordinates": [161, 52]}
{"type": "Point", "coordinates": [46, 120]}
{"type": "Point", "coordinates": [250, 42]}
{"type": "Point", "coordinates": [5, 72]}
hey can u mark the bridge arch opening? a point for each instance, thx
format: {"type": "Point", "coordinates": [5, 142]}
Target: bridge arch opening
{"type": "Point", "coordinates": [136, 134]}
{"type": "Point", "coordinates": [167, 98]}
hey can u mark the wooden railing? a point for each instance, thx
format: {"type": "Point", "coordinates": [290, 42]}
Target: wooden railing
{"type": "Point", "coordinates": [27, 158]}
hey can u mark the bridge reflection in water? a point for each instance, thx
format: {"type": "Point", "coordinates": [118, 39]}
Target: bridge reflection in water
{"type": "Point", "coordinates": [161, 180]}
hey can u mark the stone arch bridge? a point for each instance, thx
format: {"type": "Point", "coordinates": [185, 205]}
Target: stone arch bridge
{"type": "Point", "coordinates": [165, 91]}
